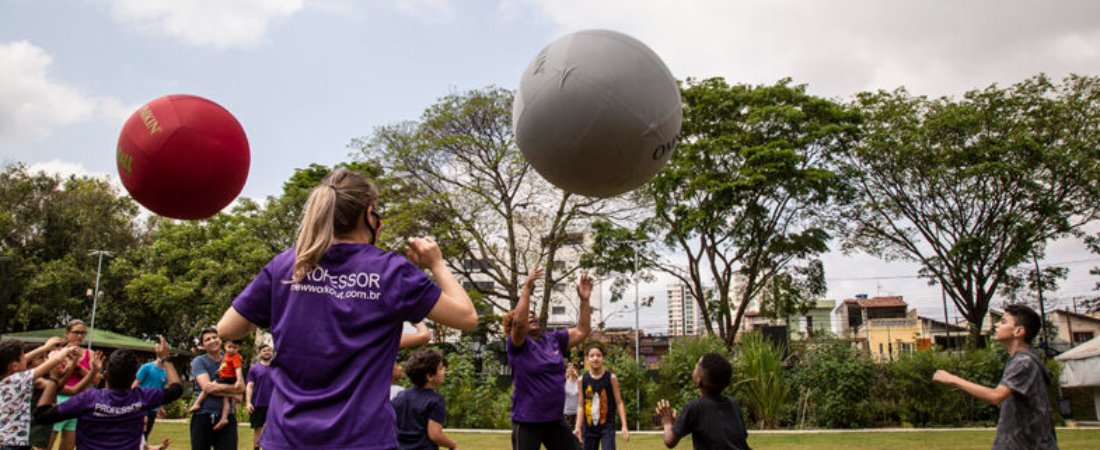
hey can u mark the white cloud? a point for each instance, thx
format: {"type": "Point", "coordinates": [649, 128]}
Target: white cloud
{"type": "Point", "coordinates": [31, 104]}
{"type": "Point", "coordinates": [431, 11]}
{"type": "Point", "coordinates": [63, 168]}
{"type": "Point", "coordinates": [214, 23]}
{"type": "Point", "coordinates": [843, 46]}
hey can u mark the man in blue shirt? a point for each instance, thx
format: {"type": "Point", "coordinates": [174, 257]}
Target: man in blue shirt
{"type": "Point", "coordinates": [151, 375]}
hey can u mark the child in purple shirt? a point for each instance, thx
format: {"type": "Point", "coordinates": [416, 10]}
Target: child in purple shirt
{"type": "Point", "coordinates": [112, 418]}
{"type": "Point", "coordinates": [335, 305]}
{"type": "Point", "coordinates": [538, 370]}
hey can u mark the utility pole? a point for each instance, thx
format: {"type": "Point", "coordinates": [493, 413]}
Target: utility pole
{"type": "Point", "coordinates": [635, 244]}
{"type": "Point", "coordinates": [95, 294]}
{"type": "Point", "coordinates": [1069, 320]}
{"type": "Point", "coordinates": [1042, 306]}
{"type": "Point", "coordinates": [946, 324]}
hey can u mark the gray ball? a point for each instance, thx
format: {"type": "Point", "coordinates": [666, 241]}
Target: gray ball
{"type": "Point", "coordinates": [597, 113]}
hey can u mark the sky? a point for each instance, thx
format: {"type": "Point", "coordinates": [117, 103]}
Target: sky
{"type": "Point", "coordinates": [304, 77]}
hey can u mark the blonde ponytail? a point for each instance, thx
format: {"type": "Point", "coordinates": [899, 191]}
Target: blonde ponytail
{"type": "Point", "coordinates": [333, 209]}
{"type": "Point", "coordinates": [315, 232]}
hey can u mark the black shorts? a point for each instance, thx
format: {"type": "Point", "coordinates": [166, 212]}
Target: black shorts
{"type": "Point", "coordinates": [259, 417]}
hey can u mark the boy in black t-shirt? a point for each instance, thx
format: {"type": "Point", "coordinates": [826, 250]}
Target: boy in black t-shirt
{"type": "Point", "coordinates": [420, 410]}
{"type": "Point", "coordinates": [714, 421]}
{"type": "Point", "coordinates": [1025, 421]}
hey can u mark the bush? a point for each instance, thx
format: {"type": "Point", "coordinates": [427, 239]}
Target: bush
{"type": "Point", "coordinates": [633, 379]}
{"type": "Point", "coordinates": [835, 384]}
{"type": "Point", "coordinates": [178, 408]}
{"type": "Point", "coordinates": [760, 368]}
{"type": "Point", "coordinates": [476, 400]}
{"type": "Point", "coordinates": [675, 369]}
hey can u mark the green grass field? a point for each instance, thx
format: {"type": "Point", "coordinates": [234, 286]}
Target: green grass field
{"type": "Point", "coordinates": [1067, 440]}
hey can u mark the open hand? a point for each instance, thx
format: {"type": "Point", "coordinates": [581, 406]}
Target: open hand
{"type": "Point", "coordinates": [534, 275]}
{"type": "Point", "coordinates": [665, 412]}
{"type": "Point", "coordinates": [161, 348]}
{"type": "Point", "coordinates": [99, 361]}
{"type": "Point", "coordinates": [584, 286]}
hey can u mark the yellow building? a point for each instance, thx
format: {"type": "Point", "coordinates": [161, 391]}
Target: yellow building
{"type": "Point", "coordinates": [890, 337]}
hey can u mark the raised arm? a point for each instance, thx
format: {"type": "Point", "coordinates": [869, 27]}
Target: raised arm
{"type": "Point", "coordinates": [55, 358]}
{"type": "Point", "coordinates": [454, 307]}
{"type": "Point", "coordinates": [50, 345]}
{"type": "Point", "coordinates": [174, 389]}
{"type": "Point", "coordinates": [668, 416]}
{"type": "Point", "coordinates": [520, 315]}
{"type": "Point", "coordinates": [416, 339]}
{"type": "Point", "coordinates": [993, 396]}
{"type": "Point", "coordinates": [584, 319]}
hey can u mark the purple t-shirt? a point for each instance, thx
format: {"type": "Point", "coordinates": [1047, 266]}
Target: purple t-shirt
{"type": "Point", "coordinates": [538, 376]}
{"type": "Point", "coordinates": [109, 419]}
{"type": "Point", "coordinates": [261, 384]}
{"type": "Point", "coordinates": [337, 333]}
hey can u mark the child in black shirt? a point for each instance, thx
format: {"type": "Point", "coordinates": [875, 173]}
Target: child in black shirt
{"type": "Point", "coordinates": [420, 410]}
{"type": "Point", "coordinates": [714, 421]}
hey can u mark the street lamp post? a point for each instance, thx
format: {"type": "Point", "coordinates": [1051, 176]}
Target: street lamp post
{"type": "Point", "coordinates": [635, 244]}
{"type": "Point", "coordinates": [95, 294]}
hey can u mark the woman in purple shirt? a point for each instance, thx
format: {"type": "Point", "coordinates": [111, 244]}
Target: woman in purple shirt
{"type": "Point", "coordinates": [538, 370]}
{"type": "Point", "coordinates": [335, 305]}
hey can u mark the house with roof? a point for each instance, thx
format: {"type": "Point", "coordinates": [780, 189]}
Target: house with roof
{"type": "Point", "coordinates": [882, 326]}
{"type": "Point", "coordinates": [815, 321]}
{"type": "Point", "coordinates": [1073, 328]}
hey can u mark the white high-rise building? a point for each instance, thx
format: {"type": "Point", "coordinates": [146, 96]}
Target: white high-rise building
{"type": "Point", "coordinates": [684, 317]}
{"type": "Point", "coordinates": [564, 303]}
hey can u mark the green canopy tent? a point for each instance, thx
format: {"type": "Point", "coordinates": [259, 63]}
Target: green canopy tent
{"type": "Point", "coordinates": [103, 339]}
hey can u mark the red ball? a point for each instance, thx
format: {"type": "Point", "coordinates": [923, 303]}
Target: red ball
{"type": "Point", "coordinates": [183, 157]}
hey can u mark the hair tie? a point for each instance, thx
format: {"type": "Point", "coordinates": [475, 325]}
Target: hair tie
{"type": "Point", "coordinates": [333, 188]}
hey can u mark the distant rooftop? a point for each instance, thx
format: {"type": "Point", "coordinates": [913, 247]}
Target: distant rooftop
{"type": "Point", "coordinates": [880, 302]}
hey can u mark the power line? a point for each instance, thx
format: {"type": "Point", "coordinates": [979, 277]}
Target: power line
{"type": "Point", "coordinates": [902, 277]}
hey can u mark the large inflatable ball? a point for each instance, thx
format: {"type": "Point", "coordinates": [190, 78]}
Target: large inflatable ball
{"type": "Point", "coordinates": [597, 113]}
{"type": "Point", "coordinates": [183, 157]}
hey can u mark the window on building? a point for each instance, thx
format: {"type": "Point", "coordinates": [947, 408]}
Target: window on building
{"type": "Point", "coordinates": [557, 310]}
{"type": "Point", "coordinates": [1082, 336]}
{"type": "Point", "coordinates": [479, 285]}
{"type": "Point", "coordinates": [477, 265]}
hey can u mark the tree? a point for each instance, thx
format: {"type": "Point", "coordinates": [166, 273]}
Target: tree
{"type": "Point", "coordinates": [971, 188]}
{"type": "Point", "coordinates": [1032, 287]}
{"type": "Point", "coordinates": [742, 198]}
{"type": "Point", "coordinates": [188, 273]}
{"type": "Point", "coordinates": [48, 225]}
{"type": "Point", "coordinates": [457, 174]}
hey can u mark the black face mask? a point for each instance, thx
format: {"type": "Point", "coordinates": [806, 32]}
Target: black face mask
{"type": "Point", "coordinates": [373, 230]}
